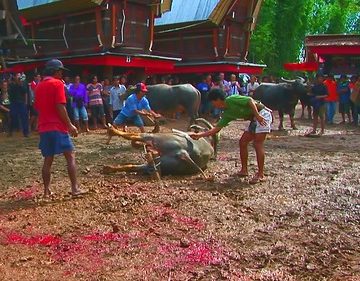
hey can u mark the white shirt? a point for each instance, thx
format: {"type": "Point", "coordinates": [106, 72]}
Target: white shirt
{"type": "Point", "coordinates": [251, 87]}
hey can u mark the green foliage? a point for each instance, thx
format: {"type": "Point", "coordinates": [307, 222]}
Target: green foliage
{"type": "Point", "coordinates": [283, 24]}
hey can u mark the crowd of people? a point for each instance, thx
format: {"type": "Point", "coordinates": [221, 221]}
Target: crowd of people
{"type": "Point", "coordinates": [100, 102]}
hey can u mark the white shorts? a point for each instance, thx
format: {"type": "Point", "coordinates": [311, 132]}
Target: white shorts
{"type": "Point", "coordinates": [256, 127]}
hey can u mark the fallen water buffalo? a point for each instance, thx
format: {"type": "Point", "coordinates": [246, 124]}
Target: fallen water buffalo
{"type": "Point", "coordinates": [174, 153]}
{"type": "Point", "coordinates": [282, 97]}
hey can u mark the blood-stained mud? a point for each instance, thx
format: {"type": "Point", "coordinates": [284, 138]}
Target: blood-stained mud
{"type": "Point", "coordinates": [301, 224]}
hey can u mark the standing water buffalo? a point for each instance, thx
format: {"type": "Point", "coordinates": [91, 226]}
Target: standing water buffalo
{"type": "Point", "coordinates": [167, 98]}
{"type": "Point", "coordinates": [282, 97]}
{"type": "Point", "coordinates": [174, 153]}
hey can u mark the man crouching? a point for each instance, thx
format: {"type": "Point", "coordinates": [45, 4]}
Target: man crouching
{"type": "Point", "coordinates": [243, 107]}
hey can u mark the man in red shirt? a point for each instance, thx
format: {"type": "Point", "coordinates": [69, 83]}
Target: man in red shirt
{"type": "Point", "coordinates": [331, 99]}
{"type": "Point", "coordinates": [54, 124]}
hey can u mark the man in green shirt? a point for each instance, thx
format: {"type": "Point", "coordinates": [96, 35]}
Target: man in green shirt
{"type": "Point", "coordinates": [243, 107]}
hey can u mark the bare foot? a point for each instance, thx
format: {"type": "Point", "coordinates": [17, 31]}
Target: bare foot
{"type": "Point", "coordinates": [257, 178]}
{"type": "Point", "coordinates": [48, 193]}
{"type": "Point", "coordinates": [242, 174]}
{"type": "Point", "coordinates": [78, 192]}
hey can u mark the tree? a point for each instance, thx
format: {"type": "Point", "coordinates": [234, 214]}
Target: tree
{"type": "Point", "coordinates": [283, 24]}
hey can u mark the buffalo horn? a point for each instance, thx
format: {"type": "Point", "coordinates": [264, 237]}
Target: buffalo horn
{"type": "Point", "coordinates": [302, 80]}
{"type": "Point", "coordinates": [286, 80]}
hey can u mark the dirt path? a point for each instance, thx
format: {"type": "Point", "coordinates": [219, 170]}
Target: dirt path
{"type": "Point", "coordinates": [302, 224]}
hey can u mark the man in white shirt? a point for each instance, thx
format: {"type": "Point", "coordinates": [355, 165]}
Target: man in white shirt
{"type": "Point", "coordinates": [225, 84]}
{"type": "Point", "coordinates": [117, 96]}
{"type": "Point", "coordinates": [251, 87]}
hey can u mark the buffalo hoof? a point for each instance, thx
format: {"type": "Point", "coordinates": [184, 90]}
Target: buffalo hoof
{"type": "Point", "coordinates": [294, 128]}
{"type": "Point", "coordinates": [281, 129]}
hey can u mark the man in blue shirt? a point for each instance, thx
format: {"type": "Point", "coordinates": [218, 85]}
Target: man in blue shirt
{"type": "Point", "coordinates": [135, 105]}
{"type": "Point", "coordinates": [344, 92]}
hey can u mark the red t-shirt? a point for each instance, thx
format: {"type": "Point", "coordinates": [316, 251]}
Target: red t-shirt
{"type": "Point", "coordinates": [48, 93]}
{"type": "Point", "coordinates": [332, 90]}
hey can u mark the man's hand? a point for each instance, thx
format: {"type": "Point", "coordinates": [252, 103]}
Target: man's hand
{"type": "Point", "coordinates": [73, 131]}
{"type": "Point", "coordinates": [157, 115]}
{"type": "Point", "coordinates": [261, 120]}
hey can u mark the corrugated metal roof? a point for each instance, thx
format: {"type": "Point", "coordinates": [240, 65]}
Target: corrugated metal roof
{"type": "Point", "coordinates": [187, 11]}
{"type": "Point", "coordinates": [54, 7]}
{"type": "Point", "coordinates": [24, 4]}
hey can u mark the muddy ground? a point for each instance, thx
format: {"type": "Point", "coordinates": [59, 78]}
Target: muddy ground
{"type": "Point", "coordinates": [301, 224]}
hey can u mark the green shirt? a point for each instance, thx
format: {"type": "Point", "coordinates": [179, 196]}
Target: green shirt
{"type": "Point", "coordinates": [237, 107]}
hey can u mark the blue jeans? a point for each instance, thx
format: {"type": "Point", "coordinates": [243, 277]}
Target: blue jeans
{"type": "Point", "coordinates": [330, 109]}
{"type": "Point", "coordinates": [18, 110]}
{"type": "Point", "coordinates": [80, 112]}
{"type": "Point", "coordinates": [121, 120]}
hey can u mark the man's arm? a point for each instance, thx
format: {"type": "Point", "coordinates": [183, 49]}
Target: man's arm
{"type": "Point", "coordinates": [61, 109]}
{"type": "Point", "coordinates": [4, 108]}
{"type": "Point", "coordinates": [209, 133]}
{"type": "Point", "coordinates": [255, 111]}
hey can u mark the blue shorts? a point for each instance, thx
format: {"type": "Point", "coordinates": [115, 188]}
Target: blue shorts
{"type": "Point", "coordinates": [54, 142]}
{"type": "Point", "coordinates": [121, 120]}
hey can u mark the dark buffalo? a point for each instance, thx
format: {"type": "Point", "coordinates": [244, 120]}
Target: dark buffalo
{"type": "Point", "coordinates": [174, 153]}
{"type": "Point", "coordinates": [282, 97]}
{"type": "Point", "coordinates": [166, 98]}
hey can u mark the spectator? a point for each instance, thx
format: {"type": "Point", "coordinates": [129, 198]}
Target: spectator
{"type": "Point", "coordinates": [225, 84]}
{"type": "Point", "coordinates": [217, 85]}
{"type": "Point", "coordinates": [204, 88]}
{"type": "Point", "coordinates": [33, 114]}
{"type": "Point", "coordinates": [265, 79]}
{"type": "Point", "coordinates": [331, 99]}
{"type": "Point", "coordinates": [69, 108]}
{"type": "Point", "coordinates": [135, 105]}
{"type": "Point", "coordinates": [55, 125]}
{"type": "Point", "coordinates": [4, 106]}
{"type": "Point", "coordinates": [235, 88]}
{"type": "Point", "coordinates": [355, 99]}
{"type": "Point", "coordinates": [105, 94]}
{"type": "Point", "coordinates": [251, 87]}
{"type": "Point", "coordinates": [18, 95]}
{"type": "Point", "coordinates": [117, 95]}
{"type": "Point", "coordinates": [80, 100]}
{"type": "Point", "coordinates": [94, 90]}
{"type": "Point", "coordinates": [343, 90]}
{"type": "Point", "coordinates": [318, 96]}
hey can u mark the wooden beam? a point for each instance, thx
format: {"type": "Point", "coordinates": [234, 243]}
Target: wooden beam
{"type": "Point", "coordinates": [216, 42]}
{"type": "Point", "coordinates": [99, 31]}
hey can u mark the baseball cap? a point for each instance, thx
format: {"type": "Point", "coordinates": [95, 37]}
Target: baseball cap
{"type": "Point", "coordinates": [141, 87]}
{"type": "Point", "coordinates": [55, 64]}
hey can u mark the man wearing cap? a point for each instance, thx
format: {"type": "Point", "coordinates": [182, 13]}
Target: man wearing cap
{"type": "Point", "coordinates": [54, 124]}
{"type": "Point", "coordinates": [135, 105]}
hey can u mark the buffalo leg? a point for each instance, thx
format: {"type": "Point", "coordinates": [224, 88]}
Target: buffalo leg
{"type": "Point", "coordinates": [309, 112]}
{"type": "Point", "coordinates": [292, 120]}
{"type": "Point", "coordinates": [110, 169]}
{"type": "Point", "coordinates": [281, 117]}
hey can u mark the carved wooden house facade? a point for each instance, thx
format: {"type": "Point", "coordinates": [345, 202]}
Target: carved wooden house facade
{"type": "Point", "coordinates": [139, 36]}
{"type": "Point", "coordinates": [209, 35]}
{"type": "Point", "coordinates": [113, 36]}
